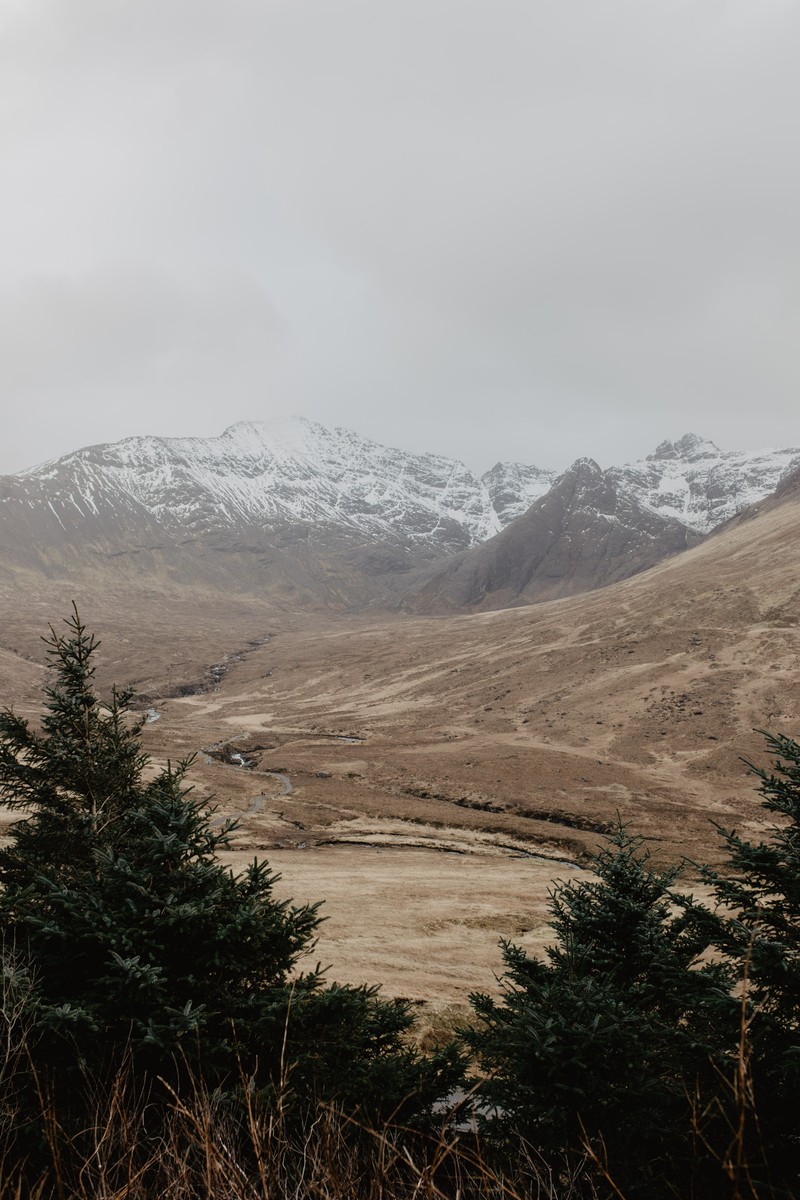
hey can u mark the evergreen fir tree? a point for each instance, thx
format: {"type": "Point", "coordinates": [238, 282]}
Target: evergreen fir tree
{"type": "Point", "coordinates": [608, 1041]}
{"type": "Point", "coordinates": [756, 927]}
{"type": "Point", "coordinates": [143, 945]}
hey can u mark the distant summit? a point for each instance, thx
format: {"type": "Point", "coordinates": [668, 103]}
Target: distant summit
{"type": "Point", "coordinates": [696, 483]}
{"type": "Point", "coordinates": [586, 532]}
{"type": "Point", "coordinates": [596, 527]}
{"type": "Point", "coordinates": [690, 445]}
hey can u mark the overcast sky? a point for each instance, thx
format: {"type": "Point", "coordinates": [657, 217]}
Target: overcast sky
{"type": "Point", "coordinates": [496, 229]}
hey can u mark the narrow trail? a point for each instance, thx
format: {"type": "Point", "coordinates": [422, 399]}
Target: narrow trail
{"type": "Point", "coordinates": [285, 782]}
{"type": "Point", "coordinates": [257, 802]}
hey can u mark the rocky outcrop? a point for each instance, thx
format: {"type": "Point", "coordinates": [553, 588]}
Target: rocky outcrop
{"type": "Point", "coordinates": [514, 487]}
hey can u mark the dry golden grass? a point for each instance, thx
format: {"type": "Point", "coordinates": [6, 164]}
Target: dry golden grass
{"type": "Point", "coordinates": [426, 925]}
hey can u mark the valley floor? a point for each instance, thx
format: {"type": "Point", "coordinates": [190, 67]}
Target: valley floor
{"type": "Point", "coordinates": [429, 777]}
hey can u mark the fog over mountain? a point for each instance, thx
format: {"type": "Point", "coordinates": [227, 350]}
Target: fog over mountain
{"type": "Point", "coordinates": [502, 232]}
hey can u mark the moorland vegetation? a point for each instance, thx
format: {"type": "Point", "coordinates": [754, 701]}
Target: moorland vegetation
{"type": "Point", "coordinates": [161, 1036]}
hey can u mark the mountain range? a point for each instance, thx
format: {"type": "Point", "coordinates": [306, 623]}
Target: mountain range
{"type": "Point", "coordinates": [311, 517]}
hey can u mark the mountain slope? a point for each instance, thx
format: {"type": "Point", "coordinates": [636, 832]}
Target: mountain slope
{"type": "Point", "coordinates": [586, 532]}
{"type": "Point", "coordinates": [596, 527]}
{"type": "Point", "coordinates": [291, 510]}
{"type": "Point", "coordinates": [256, 476]}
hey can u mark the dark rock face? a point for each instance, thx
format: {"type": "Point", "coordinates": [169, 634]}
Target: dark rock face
{"type": "Point", "coordinates": [585, 533]}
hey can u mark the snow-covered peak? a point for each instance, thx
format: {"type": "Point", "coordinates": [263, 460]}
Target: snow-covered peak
{"type": "Point", "coordinates": [585, 467]}
{"type": "Point", "coordinates": [287, 473]}
{"type": "Point", "coordinates": [693, 481]}
{"type": "Point", "coordinates": [689, 448]}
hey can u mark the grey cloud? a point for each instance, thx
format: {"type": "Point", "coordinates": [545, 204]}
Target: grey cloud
{"type": "Point", "coordinates": [127, 350]}
{"type": "Point", "coordinates": [500, 230]}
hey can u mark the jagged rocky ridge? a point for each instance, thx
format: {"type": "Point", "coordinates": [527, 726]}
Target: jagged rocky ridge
{"type": "Point", "coordinates": [596, 527]}
{"type": "Point", "coordinates": [696, 483]}
{"type": "Point", "coordinates": [289, 474]}
{"type": "Point", "coordinates": [324, 516]}
{"type": "Point", "coordinates": [586, 532]}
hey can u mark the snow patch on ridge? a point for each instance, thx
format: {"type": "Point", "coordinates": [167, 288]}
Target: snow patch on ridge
{"type": "Point", "coordinates": [290, 471]}
{"type": "Point", "coordinates": [696, 483]}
